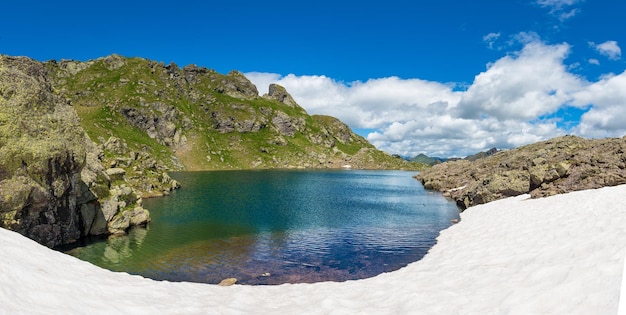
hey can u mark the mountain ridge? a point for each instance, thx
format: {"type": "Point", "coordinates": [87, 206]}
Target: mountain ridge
{"type": "Point", "coordinates": [220, 119]}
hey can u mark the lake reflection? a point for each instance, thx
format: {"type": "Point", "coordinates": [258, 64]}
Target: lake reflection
{"type": "Point", "coordinates": [272, 227]}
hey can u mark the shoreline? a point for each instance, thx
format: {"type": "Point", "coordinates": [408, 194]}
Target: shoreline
{"type": "Point", "coordinates": [562, 254]}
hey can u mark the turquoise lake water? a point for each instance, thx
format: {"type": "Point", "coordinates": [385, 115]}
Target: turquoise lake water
{"type": "Point", "coordinates": [272, 227]}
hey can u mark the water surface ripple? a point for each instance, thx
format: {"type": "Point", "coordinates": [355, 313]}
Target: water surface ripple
{"type": "Point", "coordinates": [272, 227]}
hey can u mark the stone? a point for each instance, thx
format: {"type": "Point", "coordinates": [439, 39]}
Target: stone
{"type": "Point", "coordinates": [116, 145]}
{"type": "Point", "coordinates": [175, 184]}
{"type": "Point", "coordinates": [88, 215]}
{"type": "Point", "coordinates": [99, 225]}
{"type": "Point", "coordinates": [280, 94]}
{"type": "Point", "coordinates": [110, 207]}
{"type": "Point", "coordinates": [116, 174]}
{"type": "Point", "coordinates": [114, 61]}
{"type": "Point", "coordinates": [139, 216]}
{"type": "Point", "coordinates": [227, 282]}
{"type": "Point", "coordinates": [550, 167]}
{"type": "Point", "coordinates": [562, 168]}
{"type": "Point", "coordinates": [120, 223]}
{"type": "Point", "coordinates": [42, 154]}
{"type": "Point", "coordinates": [283, 124]}
{"type": "Point", "coordinates": [236, 85]}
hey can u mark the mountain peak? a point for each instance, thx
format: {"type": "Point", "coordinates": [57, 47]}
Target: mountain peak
{"type": "Point", "coordinates": [280, 94]}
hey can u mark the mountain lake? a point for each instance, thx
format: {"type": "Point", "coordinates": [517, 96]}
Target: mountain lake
{"type": "Point", "coordinates": [278, 226]}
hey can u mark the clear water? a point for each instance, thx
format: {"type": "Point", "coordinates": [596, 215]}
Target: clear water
{"type": "Point", "coordinates": [272, 227]}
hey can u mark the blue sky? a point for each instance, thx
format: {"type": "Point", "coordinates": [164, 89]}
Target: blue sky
{"type": "Point", "coordinates": [446, 78]}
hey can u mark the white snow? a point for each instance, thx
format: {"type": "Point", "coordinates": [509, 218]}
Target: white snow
{"type": "Point", "coordinates": [559, 255]}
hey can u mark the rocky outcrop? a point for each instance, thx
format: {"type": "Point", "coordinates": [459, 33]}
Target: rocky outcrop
{"type": "Point", "coordinates": [288, 125]}
{"type": "Point", "coordinates": [280, 94]}
{"type": "Point", "coordinates": [54, 187]}
{"type": "Point", "coordinates": [41, 156]}
{"type": "Point", "coordinates": [236, 85]}
{"type": "Point", "coordinates": [160, 121]}
{"type": "Point", "coordinates": [482, 155]}
{"type": "Point", "coordinates": [38, 171]}
{"type": "Point", "coordinates": [143, 173]}
{"type": "Point", "coordinates": [546, 168]}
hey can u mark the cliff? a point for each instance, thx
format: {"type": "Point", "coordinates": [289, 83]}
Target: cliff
{"type": "Point", "coordinates": [81, 143]}
{"type": "Point", "coordinates": [53, 187]}
{"type": "Point", "coordinates": [559, 165]}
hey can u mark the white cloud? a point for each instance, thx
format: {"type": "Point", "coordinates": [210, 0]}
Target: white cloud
{"type": "Point", "coordinates": [490, 39]}
{"type": "Point", "coordinates": [607, 117]}
{"type": "Point", "coordinates": [609, 49]}
{"type": "Point", "coordinates": [560, 8]}
{"type": "Point", "coordinates": [533, 83]}
{"type": "Point", "coordinates": [525, 38]}
{"type": "Point", "coordinates": [262, 80]}
{"type": "Point", "coordinates": [594, 61]}
{"type": "Point", "coordinates": [371, 104]}
{"type": "Point", "coordinates": [515, 101]}
{"type": "Point", "coordinates": [557, 3]}
{"type": "Point", "coordinates": [569, 14]}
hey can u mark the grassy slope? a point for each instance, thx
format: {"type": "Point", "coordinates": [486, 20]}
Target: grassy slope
{"type": "Point", "coordinates": [103, 87]}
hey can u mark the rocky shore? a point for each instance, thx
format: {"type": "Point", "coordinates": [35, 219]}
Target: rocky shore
{"type": "Point", "coordinates": [56, 184]}
{"type": "Point", "coordinates": [547, 168]}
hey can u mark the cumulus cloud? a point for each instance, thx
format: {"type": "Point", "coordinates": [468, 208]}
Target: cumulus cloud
{"type": "Point", "coordinates": [515, 101]}
{"type": "Point", "coordinates": [530, 84]}
{"type": "Point", "coordinates": [609, 49]}
{"type": "Point", "coordinates": [370, 104]}
{"type": "Point", "coordinates": [607, 116]}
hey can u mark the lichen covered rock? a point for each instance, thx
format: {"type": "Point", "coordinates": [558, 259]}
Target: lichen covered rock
{"type": "Point", "coordinates": [53, 186]}
{"type": "Point", "coordinates": [545, 168]}
{"type": "Point", "coordinates": [41, 156]}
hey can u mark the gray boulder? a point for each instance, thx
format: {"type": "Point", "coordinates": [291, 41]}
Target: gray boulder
{"type": "Point", "coordinates": [546, 168]}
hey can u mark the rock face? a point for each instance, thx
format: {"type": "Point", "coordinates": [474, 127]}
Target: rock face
{"type": "Point", "coordinates": [53, 186]}
{"type": "Point", "coordinates": [280, 94]}
{"type": "Point", "coordinates": [546, 168]}
{"type": "Point", "coordinates": [41, 156]}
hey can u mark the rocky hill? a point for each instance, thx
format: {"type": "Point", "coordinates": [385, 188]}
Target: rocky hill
{"type": "Point", "coordinates": [81, 143]}
{"type": "Point", "coordinates": [425, 159]}
{"type": "Point", "coordinates": [545, 168]}
{"type": "Point", "coordinates": [197, 119]}
{"type": "Point", "coordinates": [481, 155]}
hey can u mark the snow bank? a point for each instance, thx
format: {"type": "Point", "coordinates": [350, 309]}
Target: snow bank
{"type": "Point", "coordinates": [558, 255]}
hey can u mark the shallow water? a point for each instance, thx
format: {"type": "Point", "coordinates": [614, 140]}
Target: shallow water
{"type": "Point", "coordinates": [272, 227]}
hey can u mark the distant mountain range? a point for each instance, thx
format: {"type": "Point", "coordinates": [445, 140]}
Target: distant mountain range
{"type": "Point", "coordinates": [423, 158]}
